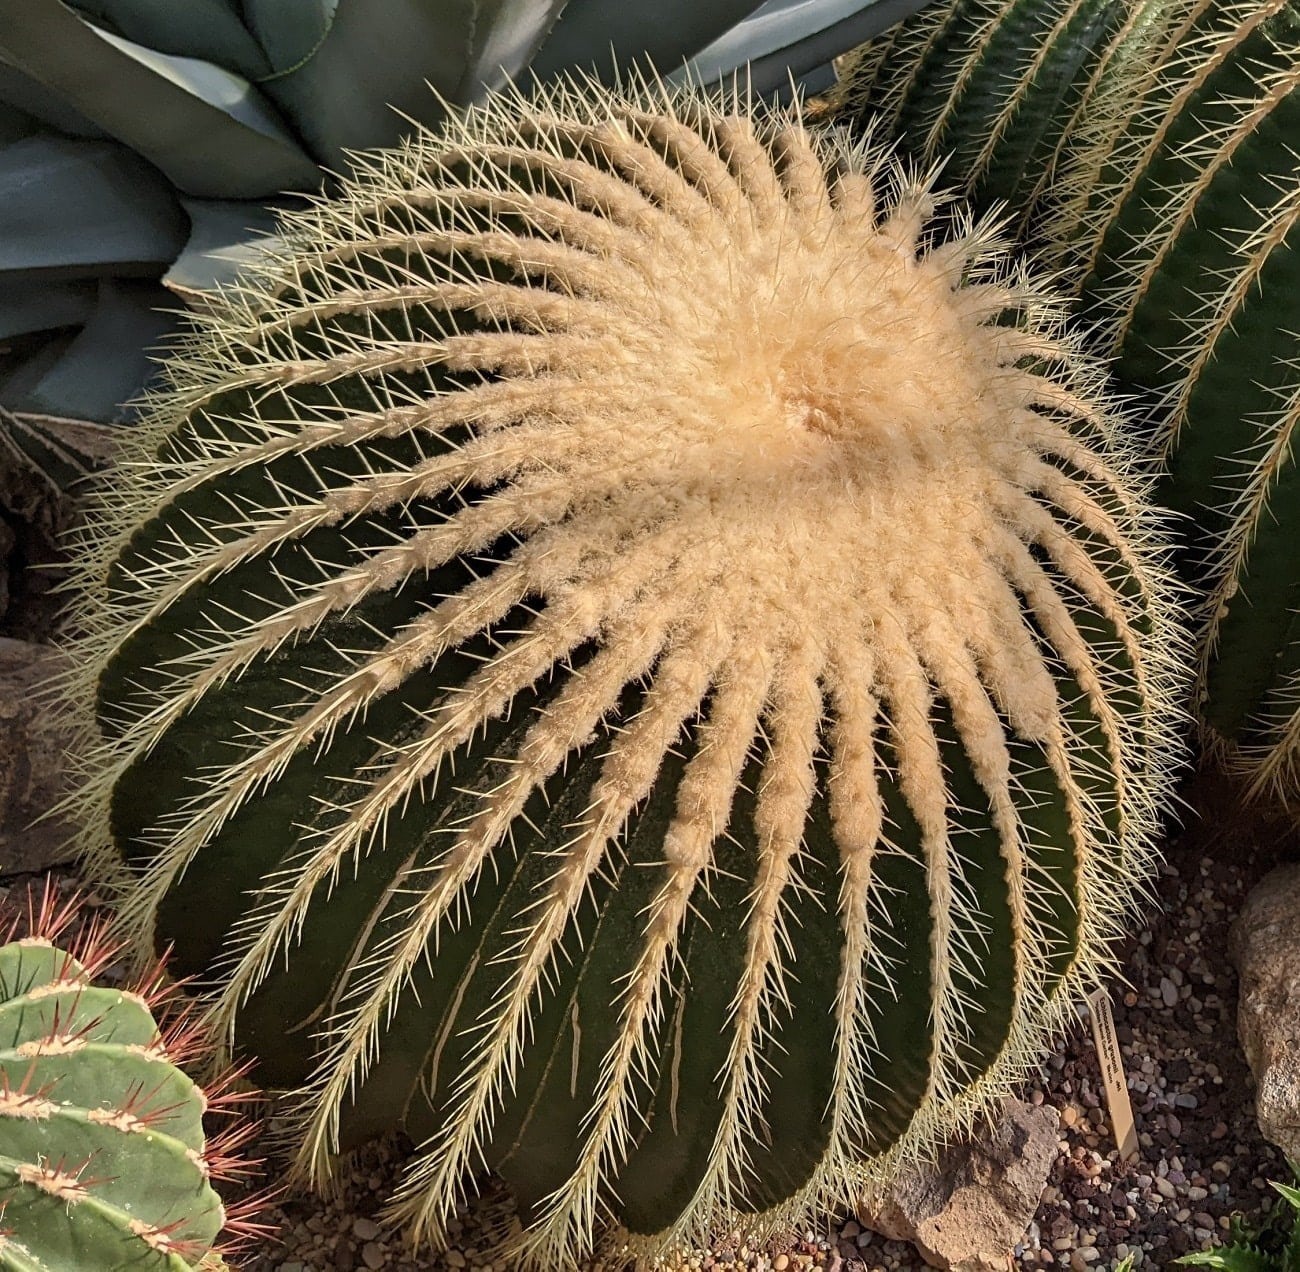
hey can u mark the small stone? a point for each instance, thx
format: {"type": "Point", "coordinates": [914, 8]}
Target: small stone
{"type": "Point", "coordinates": [968, 1213]}
{"type": "Point", "coordinates": [366, 1229]}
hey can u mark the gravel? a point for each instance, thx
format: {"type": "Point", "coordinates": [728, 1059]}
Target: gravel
{"type": "Point", "coordinates": [1201, 1158]}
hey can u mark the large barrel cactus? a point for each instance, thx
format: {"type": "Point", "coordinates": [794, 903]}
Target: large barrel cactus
{"type": "Point", "coordinates": [637, 657]}
{"type": "Point", "coordinates": [1165, 187]}
{"type": "Point", "coordinates": [104, 1164]}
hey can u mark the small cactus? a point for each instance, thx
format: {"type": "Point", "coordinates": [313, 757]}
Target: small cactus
{"type": "Point", "coordinates": [1167, 195]}
{"type": "Point", "coordinates": [104, 1165]}
{"type": "Point", "coordinates": [635, 656]}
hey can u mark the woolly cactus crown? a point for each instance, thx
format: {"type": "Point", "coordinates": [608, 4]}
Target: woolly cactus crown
{"type": "Point", "coordinates": [645, 653]}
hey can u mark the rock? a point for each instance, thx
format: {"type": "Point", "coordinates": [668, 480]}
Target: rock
{"type": "Point", "coordinates": [31, 762]}
{"type": "Point", "coordinates": [967, 1213]}
{"type": "Point", "coordinates": [45, 464]}
{"type": "Point", "coordinates": [1265, 946]}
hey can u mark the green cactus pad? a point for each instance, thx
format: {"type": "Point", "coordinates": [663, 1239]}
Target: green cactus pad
{"type": "Point", "coordinates": [102, 1148]}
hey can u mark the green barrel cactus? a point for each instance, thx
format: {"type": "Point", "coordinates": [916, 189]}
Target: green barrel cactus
{"type": "Point", "coordinates": [1014, 99]}
{"type": "Point", "coordinates": [104, 1164]}
{"type": "Point", "coordinates": [1171, 204]}
{"type": "Point", "coordinates": [636, 656]}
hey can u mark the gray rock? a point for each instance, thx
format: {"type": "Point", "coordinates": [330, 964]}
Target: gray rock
{"type": "Point", "coordinates": [968, 1211]}
{"type": "Point", "coordinates": [32, 769]}
{"type": "Point", "coordinates": [1265, 946]}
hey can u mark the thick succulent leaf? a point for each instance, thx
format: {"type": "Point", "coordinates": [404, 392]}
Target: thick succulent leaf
{"type": "Point", "coordinates": [26, 96]}
{"type": "Point", "coordinates": [789, 39]}
{"type": "Point", "coordinates": [15, 124]}
{"type": "Point", "coordinates": [211, 132]}
{"type": "Point", "coordinates": [36, 304]}
{"type": "Point", "coordinates": [289, 35]}
{"type": "Point", "coordinates": [225, 238]}
{"type": "Point", "coordinates": [593, 35]}
{"type": "Point", "coordinates": [210, 29]}
{"type": "Point", "coordinates": [507, 34]}
{"type": "Point", "coordinates": [343, 72]}
{"type": "Point", "coordinates": [94, 374]}
{"type": "Point", "coordinates": [346, 73]}
{"type": "Point", "coordinates": [83, 209]}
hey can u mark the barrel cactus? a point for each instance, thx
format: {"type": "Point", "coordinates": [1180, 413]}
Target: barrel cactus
{"type": "Point", "coordinates": [1172, 205]}
{"type": "Point", "coordinates": [637, 656]}
{"type": "Point", "coordinates": [104, 1164]}
{"type": "Point", "coordinates": [1017, 98]}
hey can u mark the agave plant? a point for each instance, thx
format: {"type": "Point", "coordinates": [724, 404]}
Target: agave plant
{"type": "Point", "coordinates": [139, 143]}
{"type": "Point", "coordinates": [1151, 142]}
{"type": "Point", "coordinates": [632, 655]}
{"type": "Point", "coordinates": [104, 1163]}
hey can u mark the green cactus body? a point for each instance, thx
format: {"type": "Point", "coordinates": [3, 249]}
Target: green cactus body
{"type": "Point", "coordinates": [630, 657]}
{"type": "Point", "coordinates": [1193, 267]}
{"type": "Point", "coordinates": [1174, 216]}
{"type": "Point", "coordinates": [103, 1161]}
{"type": "Point", "coordinates": [1012, 98]}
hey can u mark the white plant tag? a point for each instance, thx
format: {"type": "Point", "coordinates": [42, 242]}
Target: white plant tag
{"type": "Point", "coordinates": [1111, 1063]}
